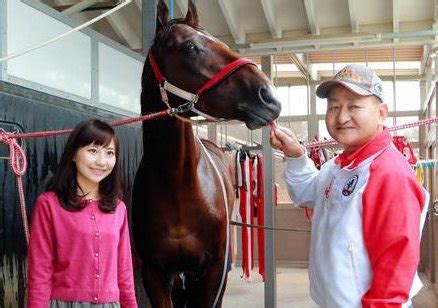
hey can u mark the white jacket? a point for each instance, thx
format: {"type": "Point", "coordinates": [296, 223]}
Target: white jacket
{"type": "Point", "coordinates": [365, 240]}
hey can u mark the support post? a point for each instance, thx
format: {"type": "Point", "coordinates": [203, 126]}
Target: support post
{"type": "Point", "coordinates": [268, 170]}
{"type": "Point", "coordinates": [149, 15]}
{"type": "Point", "coordinates": [3, 39]}
{"type": "Point", "coordinates": [212, 132]}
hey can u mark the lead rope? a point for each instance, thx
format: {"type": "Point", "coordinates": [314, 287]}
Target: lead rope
{"type": "Point", "coordinates": [227, 242]}
{"type": "Point", "coordinates": [18, 164]}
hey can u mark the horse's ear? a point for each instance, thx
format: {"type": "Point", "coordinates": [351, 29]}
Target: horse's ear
{"type": "Point", "coordinates": [192, 14]}
{"type": "Point", "coordinates": [162, 16]}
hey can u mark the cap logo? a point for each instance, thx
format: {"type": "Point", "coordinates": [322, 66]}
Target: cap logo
{"type": "Point", "coordinates": [350, 185]}
{"type": "Point", "coordinates": [378, 88]}
{"type": "Point", "coordinates": [349, 75]}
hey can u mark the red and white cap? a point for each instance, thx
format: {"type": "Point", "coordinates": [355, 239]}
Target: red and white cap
{"type": "Point", "coordinates": [356, 78]}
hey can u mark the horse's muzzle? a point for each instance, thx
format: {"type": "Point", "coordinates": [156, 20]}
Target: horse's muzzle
{"type": "Point", "coordinates": [267, 96]}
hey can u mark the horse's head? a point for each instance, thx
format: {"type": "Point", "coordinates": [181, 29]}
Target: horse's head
{"type": "Point", "coordinates": [188, 57]}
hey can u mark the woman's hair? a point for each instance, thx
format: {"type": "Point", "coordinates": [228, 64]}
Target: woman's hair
{"type": "Point", "coordinates": [64, 182]}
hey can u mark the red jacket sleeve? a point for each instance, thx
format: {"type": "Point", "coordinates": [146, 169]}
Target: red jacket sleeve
{"type": "Point", "coordinates": [125, 271]}
{"type": "Point", "coordinates": [392, 205]}
{"type": "Point", "coordinates": [40, 256]}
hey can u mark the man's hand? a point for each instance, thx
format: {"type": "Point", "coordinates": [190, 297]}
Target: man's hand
{"type": "Point", "coordinates": [284, 140]}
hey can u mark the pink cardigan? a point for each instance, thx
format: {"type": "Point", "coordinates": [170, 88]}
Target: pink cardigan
{"type": "Point", "coordinates": [82, 256]}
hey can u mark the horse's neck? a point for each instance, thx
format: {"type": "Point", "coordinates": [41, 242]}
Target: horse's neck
{"type": "Point", "coordinates": [168, 142]}
{"type": "Point", "coordinates": [170, 145]}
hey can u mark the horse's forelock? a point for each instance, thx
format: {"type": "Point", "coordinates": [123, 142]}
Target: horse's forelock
{"type": "Point", "coordinates": [177, 21]}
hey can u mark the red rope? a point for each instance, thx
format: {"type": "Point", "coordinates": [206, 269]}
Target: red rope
{"type": "Point", "coordinates": [114, 123]}
{"type": "Point", "coordinates": [18, 162]}
{"type": "Point", "coordinates": [398, 127]}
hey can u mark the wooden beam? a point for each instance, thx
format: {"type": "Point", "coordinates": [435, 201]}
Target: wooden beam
{"type": "Point", "coordinates": [309, 5]}
{"type": "Point", "coordinates": [82, 5]}
{"type": "Point", "coordinates": [233, 23]}
{"type": "Point", "coordinates": [124, 24]}
{"type": "Point", "coordinates": [182, 5]}
{"type": "Point", "coordinates": [271, 18]}
{"type": "Point", "coordinates": [353, 16]}
{"type": "Point", "coordinates": [396, 18]}
{"type": "Point", "coordinates": [435, 18]}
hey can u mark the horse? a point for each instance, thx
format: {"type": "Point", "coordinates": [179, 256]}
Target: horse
{"type": "Point", "coordinates": [182, 185]}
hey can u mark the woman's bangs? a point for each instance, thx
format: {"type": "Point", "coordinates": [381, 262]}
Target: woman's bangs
{"type": "Point", "coordinates": [97, 136]}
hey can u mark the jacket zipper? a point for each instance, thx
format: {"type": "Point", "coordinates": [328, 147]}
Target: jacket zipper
{"type": "Point", "coordinates": [353, 264]}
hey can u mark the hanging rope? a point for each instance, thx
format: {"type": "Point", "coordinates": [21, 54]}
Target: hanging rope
{"type": "Point", "coordinates": [18, 164]}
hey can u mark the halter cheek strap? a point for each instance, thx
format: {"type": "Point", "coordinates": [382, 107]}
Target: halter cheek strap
{"type": "Point", "coordinates": [191, 98]}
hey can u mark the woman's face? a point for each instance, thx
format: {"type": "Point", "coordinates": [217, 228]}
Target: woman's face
{"type": "Point", "coordinates": [94, 163]}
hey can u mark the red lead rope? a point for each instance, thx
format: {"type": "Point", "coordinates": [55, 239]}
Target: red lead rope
{"type": "Point", "coordinates": [18, 165]}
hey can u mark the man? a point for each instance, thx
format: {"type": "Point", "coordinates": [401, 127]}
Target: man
{"type": "Point", "coordinates": [368, 205]}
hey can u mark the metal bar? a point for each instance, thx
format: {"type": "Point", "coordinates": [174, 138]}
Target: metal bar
{"type": "Point", "coordinates": [313, 122]}
{"type": "Point", "coordinates": [268, 169]}
{"type": "Point", "coordinates": [212, 132]}
{"type": "Point", "coordinates": [3, 39]}
{"type": "Point", "coordinates": [79, 7]}
{"type": "Point", "coordinates": [171, 9]}
{"type": "Point", "coordinates": [149, 15]}
{"type": "Point", "coordinates": [94, 72]}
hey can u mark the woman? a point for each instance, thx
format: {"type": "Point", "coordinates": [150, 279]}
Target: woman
{"type": "Point", "coordinates": [79, 251]}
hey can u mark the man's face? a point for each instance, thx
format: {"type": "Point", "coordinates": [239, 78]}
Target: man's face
{"type": "Point", "coordinates": [353, 120]}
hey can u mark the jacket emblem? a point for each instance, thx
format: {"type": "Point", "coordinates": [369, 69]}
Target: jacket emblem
{"type": "Point", "coordinates": [350, 185]}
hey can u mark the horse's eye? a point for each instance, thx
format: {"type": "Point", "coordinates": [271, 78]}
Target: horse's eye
{"type": "Point", "coordinates": [190, 47]}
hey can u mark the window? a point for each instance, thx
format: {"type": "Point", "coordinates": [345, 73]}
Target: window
{"type": "Point", "coordinates": [321, 105]}
{"type": "Point", "coordinates": [323, 133]}
{"type": "Point", "coordinates": [388, 94]}
{"type": "Point", "coordinates": [408, 95]}
{"type": "Point", "coordinates": [293, 100]}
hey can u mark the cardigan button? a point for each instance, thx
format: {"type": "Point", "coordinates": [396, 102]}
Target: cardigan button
{"type": "Point", "coordinates": [95, 298]}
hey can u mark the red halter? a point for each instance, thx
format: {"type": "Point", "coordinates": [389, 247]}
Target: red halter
{"type": "Point", "coordinates": [223, 74]}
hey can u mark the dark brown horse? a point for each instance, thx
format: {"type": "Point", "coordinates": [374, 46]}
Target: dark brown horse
{"type": "Point", "coordinates": [179, 216]}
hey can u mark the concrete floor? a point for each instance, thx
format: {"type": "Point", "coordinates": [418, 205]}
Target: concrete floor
{"type": "Point", "coordinates": [292, 291]}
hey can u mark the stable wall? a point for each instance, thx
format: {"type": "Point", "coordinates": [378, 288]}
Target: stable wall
{"type": "Point", "coordinates": [36, 111]}
{"type": "Point", "coordinates": [291, 247]}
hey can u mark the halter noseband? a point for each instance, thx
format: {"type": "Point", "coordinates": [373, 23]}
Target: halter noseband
{"type": "Point", "coordinates": [191, 98]}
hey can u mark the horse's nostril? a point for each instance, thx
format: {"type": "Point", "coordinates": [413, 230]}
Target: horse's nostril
{"type": "Point", "coordinates": [265, 95]}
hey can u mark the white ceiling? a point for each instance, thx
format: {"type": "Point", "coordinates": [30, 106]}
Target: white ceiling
{"type": "Point", "coordinates": [257, 27]}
